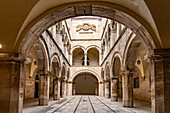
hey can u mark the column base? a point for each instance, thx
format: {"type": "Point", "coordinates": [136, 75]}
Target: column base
{"type": "Point", "coordinates": [126, 103]}
{"type": "Point", "coordinates": [107, 96]}
{"type": "Point", "coordinates": [43, 102]}
{"type": "Point", "coordinates": [63, 96]}
{"type": "Point", "coordinates": [56, 97]}
{"type": "Point", "coordinates": [114, 98]}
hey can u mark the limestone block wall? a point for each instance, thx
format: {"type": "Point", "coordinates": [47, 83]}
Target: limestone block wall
{"type": "Point", "coordinates": [85, 84]}
{"type": "Point", "coordinates": [143, 93]}
{"type": "Point", "coordinates": [93, 59]}
{"type": "Point", "coordinates": [74, 70]}
{"type": "Point", "coordinates": [29, 88]}
{"type": "Point", "coordinates": [85, 43]}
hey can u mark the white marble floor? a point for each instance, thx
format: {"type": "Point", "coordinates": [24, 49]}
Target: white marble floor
{"type": "Point", "coordinates": [85, 104]}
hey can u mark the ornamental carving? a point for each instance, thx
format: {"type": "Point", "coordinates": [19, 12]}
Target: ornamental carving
{"type": "Point", "coordinates": [86, 27]}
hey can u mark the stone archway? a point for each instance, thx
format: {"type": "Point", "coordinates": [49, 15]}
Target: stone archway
{"type": "Point", "coordinates": [72, 11]}
{"type": "Point", "coordinates": [55, 69]}
{"type": "Point", "coordinates": [85, 83]}
{"type": "Point", "coordinates": [116, 15]}
{"type": "Point", "coordinates": [116, 78]}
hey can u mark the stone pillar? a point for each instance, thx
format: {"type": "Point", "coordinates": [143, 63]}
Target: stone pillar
{"type": "Point", "coordinates": [74, 88]}
{"type": "Point", "coordinates": [65, 49]}
{"type": "Point", "coordinates": [63, 88]}
{"type": "Point", "coordinates": [85, 59]}
{"type": "Point", "coordinates": [160, 81]}
{"type": "Point", "coordinates": [71, 59]}
{"type": "Point", "coordinates": [11, 83]}
{"type": "Point", "coordinates": [100, 59]}
{"type": "Point", "coordinates": [96, 90]}
{"type": "Point", "coordinates": [107, 89]}
{"type": "Point", "coordinates": [127, 89]}
{"type": "Point", "coordinates": [103, 84]}
{"type": "Point", "coordinates": [69, 88]}
{"type": "Point", "coordinates": [44, 88]}
{"type": "Point", "coordinates": [120, 87]}
{"type": "Point", "coordinates": [114, 89]}
{"type": "Point", "coordinates": [100, 89]}
{"type": "Point", "coordinates": [56, 89]}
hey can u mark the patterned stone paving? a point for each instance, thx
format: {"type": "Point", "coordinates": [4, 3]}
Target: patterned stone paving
{"type": "Point", "coordinates": [85, 104]}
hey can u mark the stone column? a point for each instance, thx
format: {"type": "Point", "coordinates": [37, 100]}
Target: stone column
{"type": "Point", "coordinates": [127, 89]}
{"type": "Point", "coordinates": [100, 59]}
{"type": "Point", "coordinates": [71, 59]}
{"type": "Point", "coordinates": [107, 89]}
{"type": "Point", "coordinates": [65, 47]}
{"type": "Point", "coordinates": [12, 83]}
{"type": "Point", "coordinates": [114, 89]}
{"type": "Point", "coordinates": [160, 81]}
{"type": "Point", "coordinates": [96, 90]}
{"type": "Point", "coordinates": [85, 59]}
{"type": "Point", "coordinates": [69, 88]}
{"type": "Point", "coordinates": [44, 88]}
{"type": "Point", "coordinates": [100, 89]}
{"type": "Point", "coordinates": [56, 89]}
{"type": "Point", "coordinates": [63, 88]}
{"type": "Point", "coordinates": [103, 84]}
{"type": "Point", "coordinates": [74, 88]}
{"type": "Point", "coordinates": [120, 87]}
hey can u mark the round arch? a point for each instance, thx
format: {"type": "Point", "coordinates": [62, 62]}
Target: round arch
{"type": "Point", "coordinates": [108, 10]}
{"type": "Point", "coordinates": [93, 46]}
{"type": "Point", "coordinates": [116, 54]}
{"type": "Point", "coordinates": [77, 47]}
{"type": "Point", "coordinates": [129, 41]}
{"type": "Point", "coordinates": [84, 71]}
{"type": "Point", "coordinates": [63, 71]}
{"type": "Point", "coordinates": [42, 55]}
{"type": "Point", "coordinates": [56, 57]}
{"type": "Point", "coordinates": [107, 72]}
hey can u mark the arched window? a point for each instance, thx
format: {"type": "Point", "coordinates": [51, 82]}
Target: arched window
{"type": "Point", "coordinates": [93, 57]}
{"type": "Point", "coordinates": [78, 57]}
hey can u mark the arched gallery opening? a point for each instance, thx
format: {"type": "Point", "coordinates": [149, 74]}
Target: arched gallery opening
{"type": "Point", "coordinates": [85, 84]}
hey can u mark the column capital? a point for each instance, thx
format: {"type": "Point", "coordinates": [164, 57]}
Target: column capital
{"type": "Point", "coordinates": [100, 82]}
{"type": "Point", "coordinates": [70, 82]}
{"type": "Point", "coordinates": [106, 80]}
{"type": "Point", "coordinates": [65, 45]}
{"type": "Point", "coordinates": [56, 77]}
{"type": "Point", "coordinates": [43, 72]}
{"type": "Point", "coordinates": [123, 72]}
{"type": "Point", "coordinates": [114, 77]}
{"type": "Point", "coordinates": [158, 54]}
{"type": "Point", "coordinates": [12, 57]}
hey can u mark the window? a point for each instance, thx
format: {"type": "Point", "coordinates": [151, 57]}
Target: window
{"type": "Point", "coordinates": [136, 82]}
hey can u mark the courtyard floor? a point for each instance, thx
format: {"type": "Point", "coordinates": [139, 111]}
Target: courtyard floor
{"type": "Point", "coordinates": [85, 104]}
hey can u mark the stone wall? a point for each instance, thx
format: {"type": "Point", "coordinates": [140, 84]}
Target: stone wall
{"type": "Point", "coordinates": [29, 89]}
{"type": "Point", "coordinates": [143, 93]}
{"type": "Point", "coordinates": [85, 84]}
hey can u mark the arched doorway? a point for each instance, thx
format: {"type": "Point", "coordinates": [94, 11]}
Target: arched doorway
{"type": "Point", "coordinates": [85, 84]}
